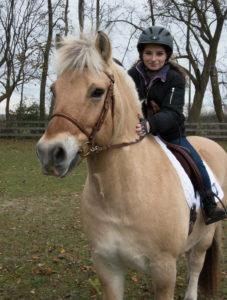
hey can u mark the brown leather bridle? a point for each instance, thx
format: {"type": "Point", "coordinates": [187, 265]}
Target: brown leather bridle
{"type": "Point", "coordinates": [109, 101]}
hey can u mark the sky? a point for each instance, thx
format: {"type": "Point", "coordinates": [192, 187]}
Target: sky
{"type": "Point", "coordinates": [119, 41]}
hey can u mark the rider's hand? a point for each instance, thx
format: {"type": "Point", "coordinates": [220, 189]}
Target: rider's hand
{"type": "Point", "coordinates": [143, 127]}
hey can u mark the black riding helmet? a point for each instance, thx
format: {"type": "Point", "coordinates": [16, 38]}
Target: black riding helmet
{"type": "Point", "coordinates": [156, 35]}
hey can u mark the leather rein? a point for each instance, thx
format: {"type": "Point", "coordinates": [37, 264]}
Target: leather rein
{"type": "Point", "coordinates": [92, 148]}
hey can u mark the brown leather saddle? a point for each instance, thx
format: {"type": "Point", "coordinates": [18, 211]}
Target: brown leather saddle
{"type": "Point", "coordinates": [181, 153]}
{"type": "Point", "coordinates": [183, 156]}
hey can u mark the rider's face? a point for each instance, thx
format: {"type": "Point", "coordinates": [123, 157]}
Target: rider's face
{"type": "Point", "coordinates": [154, 56]}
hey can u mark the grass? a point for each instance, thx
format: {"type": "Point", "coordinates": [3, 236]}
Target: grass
{"type": "Point", "coordinates": [43, 252]}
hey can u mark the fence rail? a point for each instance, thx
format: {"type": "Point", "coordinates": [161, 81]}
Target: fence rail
{"type": "Point", "coordinates": [21, 128]}
{"type": "Point", "coordinates": [34, 129]}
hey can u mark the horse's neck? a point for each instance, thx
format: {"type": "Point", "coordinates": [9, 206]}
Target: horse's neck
{"type": "Point", "coordinates": [121, 162]}
{"type": "Point", "coordinates": [127, 108]}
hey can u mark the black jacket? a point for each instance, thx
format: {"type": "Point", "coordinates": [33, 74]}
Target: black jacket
{"type": "Point", "coordinates": [167, 89]}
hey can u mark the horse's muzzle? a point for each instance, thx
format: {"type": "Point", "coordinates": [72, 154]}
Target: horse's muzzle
{"type": "Point", "coordinates": [56, 159]}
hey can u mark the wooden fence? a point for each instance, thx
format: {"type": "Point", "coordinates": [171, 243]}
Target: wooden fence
{"type": "Point", "coordinates": [25, 129]}
{"type": "Point", "coordinates": [34, 129]}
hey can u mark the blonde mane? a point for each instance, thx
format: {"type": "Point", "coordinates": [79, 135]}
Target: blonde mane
{"type": "Point", "coordinates": [78, 54]}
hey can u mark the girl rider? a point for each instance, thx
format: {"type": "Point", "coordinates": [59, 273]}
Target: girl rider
{"type": "Point", "coordinates": [161, 87]}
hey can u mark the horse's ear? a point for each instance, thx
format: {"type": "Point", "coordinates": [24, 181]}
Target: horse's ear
{"type": "Point", "coordinates": [103, 45]}
{"type": "Point", "coordinates": [58, 41]}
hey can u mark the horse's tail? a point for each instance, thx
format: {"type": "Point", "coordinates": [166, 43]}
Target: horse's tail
{"type": "Point", "coordinates": [209, 276]}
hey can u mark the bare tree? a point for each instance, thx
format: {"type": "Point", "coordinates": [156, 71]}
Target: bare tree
{"type": "Point", "coordinates": [197, 28]}
{"type": "Point", "coordinates": [100, 13]}
{"type": "Point", "coordinates": [217, 99]}
{"type": "Point", "coordinates": [204, 21]}
{"type": "Point", "coordinates": [201, 23]}
{"type": "Point", "coordinates": [18, 23]}
{"type": "Point", "coordinates": [209, 57]}
{"type": "Point", "coordinates": [54, 21]}
{"type": "Point", "coordinates": [45, 65]}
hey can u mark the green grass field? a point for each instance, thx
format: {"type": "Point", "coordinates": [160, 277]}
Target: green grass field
{"type": "Point", "coordinates": [43, 252]}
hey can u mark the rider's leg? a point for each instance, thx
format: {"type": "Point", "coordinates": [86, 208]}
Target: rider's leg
{"type": "Point", "coordinates": [212, 211]}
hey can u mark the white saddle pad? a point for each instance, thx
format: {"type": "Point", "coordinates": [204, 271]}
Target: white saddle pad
{"type": "Point", "coordinates": [185, 180]}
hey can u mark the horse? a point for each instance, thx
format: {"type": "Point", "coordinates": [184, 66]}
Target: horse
{"type": "Point", "coordinates": [133, 208]}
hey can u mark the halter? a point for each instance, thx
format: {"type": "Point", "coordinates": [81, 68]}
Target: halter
{"type": "Point", "coordinates": [109, 100]}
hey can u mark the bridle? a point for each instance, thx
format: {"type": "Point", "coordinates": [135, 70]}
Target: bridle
{"type": "Point", "coordinates": [92, 148]}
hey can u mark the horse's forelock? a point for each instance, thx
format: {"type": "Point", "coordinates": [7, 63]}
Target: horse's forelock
{"type": "Point", "coordinates": [78, 54]}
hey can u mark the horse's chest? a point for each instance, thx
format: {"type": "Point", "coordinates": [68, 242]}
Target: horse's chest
{"type": "Point", "coordinates": [120, 247]}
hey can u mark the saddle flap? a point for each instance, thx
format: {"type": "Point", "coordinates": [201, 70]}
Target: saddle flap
{"type": "Point", "coordinates": [183, 156]}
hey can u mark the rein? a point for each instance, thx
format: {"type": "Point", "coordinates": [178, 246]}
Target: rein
{"type": "Point", "coordinates": [92, 148]}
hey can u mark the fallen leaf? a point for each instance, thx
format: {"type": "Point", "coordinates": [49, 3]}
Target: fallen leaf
{"type": "Point", "coordinates": [35, 257]}
{"type": "Point", "coordinates": [41, 265]}
{"type": "Point", "coordinates": [45, 271]}
{"type": "Point", "coordinates": [134, 278]}
{"type": "Point", "coordinates": [55, 260]}
{"type": "Point", "coordinates": [67, 257]}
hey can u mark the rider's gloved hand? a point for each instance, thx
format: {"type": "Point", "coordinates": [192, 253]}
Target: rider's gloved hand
{"type": "Point", "coordinates": [143, 127]}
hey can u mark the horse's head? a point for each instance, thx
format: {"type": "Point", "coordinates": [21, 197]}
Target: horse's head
{"type": "Point", "coordinates": [84, 110]}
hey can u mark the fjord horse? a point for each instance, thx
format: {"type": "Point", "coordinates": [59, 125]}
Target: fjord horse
{"type": "Point", "coordinates": [133, 208]}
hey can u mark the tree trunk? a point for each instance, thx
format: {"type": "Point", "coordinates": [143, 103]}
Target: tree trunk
{"type": "Point", "coordinates": [7, 107]}
{"type": "Point", "coordinates": [66, 17]}
{"type": "Point", "coordinates": [46, 62]}
{"type": "Point", "coordinates": [51, 107]}
{"type": "Point", "coordinates": [81, 14]}
{"type": "Point", "coordinates": [22, 92]}
{"type": "Point", "coordinates": [194, 114]}
{"type": "Point", "coordinates": [217, 100]}
{"type": "Point", "coordinates": [151, 6]}
{"type": "Point", "coordinates": [203, 78]}
{"type": "Point", "coordinates": [97, 14]}
{"type": "Point", "coordinates": [8, 88]}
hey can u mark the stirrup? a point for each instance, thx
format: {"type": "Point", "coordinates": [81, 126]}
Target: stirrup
{"type": "Point", "coordinates": [209, 220]}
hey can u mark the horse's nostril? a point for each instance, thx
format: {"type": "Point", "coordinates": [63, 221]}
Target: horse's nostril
{"type": "Point", "coordinates": [59, 154]}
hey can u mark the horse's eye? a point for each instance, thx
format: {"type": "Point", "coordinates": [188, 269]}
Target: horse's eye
{"type": "Point", "coordinates": [97, 93]}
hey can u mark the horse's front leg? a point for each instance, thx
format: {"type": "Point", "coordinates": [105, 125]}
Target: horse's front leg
{"type": "Point", "coordinates": [163, 272]}
{"type": "Point", "coordinates": [111, 278]}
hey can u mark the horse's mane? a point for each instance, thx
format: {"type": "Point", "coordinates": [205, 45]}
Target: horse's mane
{"type": "Point", "coordinates": [78, 54]}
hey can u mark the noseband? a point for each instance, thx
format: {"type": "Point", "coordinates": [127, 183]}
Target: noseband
{"type": "Point", "coordinates": [109, 101]}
